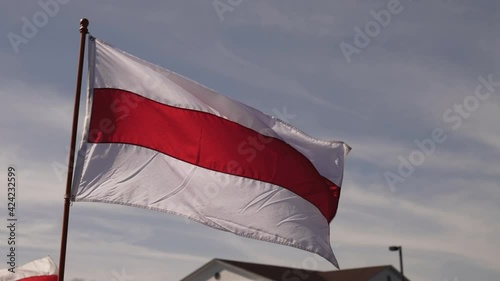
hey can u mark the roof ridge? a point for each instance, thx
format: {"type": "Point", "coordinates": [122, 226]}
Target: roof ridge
{"type": "Point", "coordinates": [288, 267]}
{"type": "Point", "coordinates": [357, 268]}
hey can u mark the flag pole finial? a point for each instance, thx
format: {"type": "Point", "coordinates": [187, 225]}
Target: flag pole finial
{"type": "Point", "coordinates": [84, 23]}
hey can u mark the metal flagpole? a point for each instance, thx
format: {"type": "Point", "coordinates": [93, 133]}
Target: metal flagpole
{"type": "Point", "coordinates": [84, 23]}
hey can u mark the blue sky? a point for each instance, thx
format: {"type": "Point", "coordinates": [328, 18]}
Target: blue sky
{"type": "Point", "coordinates": [417, 79]}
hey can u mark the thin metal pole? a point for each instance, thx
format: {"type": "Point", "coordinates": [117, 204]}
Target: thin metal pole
{"type": "Point", "coordinates": [401, 262]}
{"type": "Point", "coordinates": [84, 23]}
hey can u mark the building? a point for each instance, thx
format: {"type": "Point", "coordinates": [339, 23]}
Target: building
{"type": "Point", "coordinates": [218, 269]}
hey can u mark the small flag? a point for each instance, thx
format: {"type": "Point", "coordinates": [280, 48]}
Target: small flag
{"type": "Point", "coordinates": [43, 269]}
{"type": "Point", "coordinates": [156, 140]}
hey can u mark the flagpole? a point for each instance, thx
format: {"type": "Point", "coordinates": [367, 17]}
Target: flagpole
{"type": "Point", "coordinates": [84, 23]}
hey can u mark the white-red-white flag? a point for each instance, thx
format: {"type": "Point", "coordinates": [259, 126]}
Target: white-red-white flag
{"type": "Point", "coordinates": [43, 269]}
{"type": "Point", "coordinates": [156, 140]}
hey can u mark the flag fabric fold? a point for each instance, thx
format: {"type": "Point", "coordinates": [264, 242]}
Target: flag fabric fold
{"type": "Point", "coordinates": [154, 139]}
{"type": "Point", "coordinates": [43, 269]}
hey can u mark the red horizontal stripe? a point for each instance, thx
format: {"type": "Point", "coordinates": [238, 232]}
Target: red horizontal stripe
{"type": "Point", "coordinates": [40, 278]}
{"type": "Point", "coordinates": [208, 141]}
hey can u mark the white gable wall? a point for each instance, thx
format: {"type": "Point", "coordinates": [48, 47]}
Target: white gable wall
{"type": "Point", "coordinates": [226, 273]}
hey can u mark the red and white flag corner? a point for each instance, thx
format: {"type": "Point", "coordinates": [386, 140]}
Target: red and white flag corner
{"type": "Point", "coordinates": [43, 269]}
